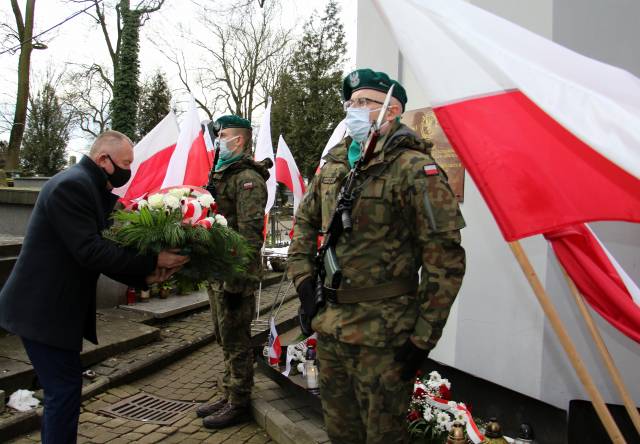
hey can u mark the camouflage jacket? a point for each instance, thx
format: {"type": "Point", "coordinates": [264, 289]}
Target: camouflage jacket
{"type": "Point", "coordinates": [405, 217]}
{"type": "Point", "coordinates": [241, 197]}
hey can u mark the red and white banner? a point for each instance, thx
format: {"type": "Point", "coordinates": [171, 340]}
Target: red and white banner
{"type": "Point", "coordinates": [264, 150]}
{"type": "Point", "coordinates": [287, 172]}
{"type": "Point", "coordinates": [473, 433]}
{"type": "Point", "coordinates": [150, 159]}
{"type": "Point", "coordinates": [550, 137]}
{"type": "Point", "coordinates": [275, 349]}
{"type": "Point", "coordinates": [190, 162]}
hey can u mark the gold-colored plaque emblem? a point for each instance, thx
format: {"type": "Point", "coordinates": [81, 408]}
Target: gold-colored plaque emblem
{"type": "Point", "coordinates": [424, 122]}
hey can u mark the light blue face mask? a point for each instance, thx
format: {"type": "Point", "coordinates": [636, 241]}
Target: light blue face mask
{"type": "Point", "coordinates": [224, 152]}
{"type": "Point", "coordinates": [358, 123]}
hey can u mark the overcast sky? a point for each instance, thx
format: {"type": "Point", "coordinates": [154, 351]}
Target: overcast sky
{"type": "Point", "coordinates": [80, 41]}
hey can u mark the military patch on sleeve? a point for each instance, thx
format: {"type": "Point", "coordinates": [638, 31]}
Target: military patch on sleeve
{"type": "Point", "coordinates": [247, 186]}
{"type": "Point", "coordinates": [431, 169]}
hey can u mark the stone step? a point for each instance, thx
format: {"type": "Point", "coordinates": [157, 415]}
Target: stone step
{"type": "Point", "coordinates": [117, 333]}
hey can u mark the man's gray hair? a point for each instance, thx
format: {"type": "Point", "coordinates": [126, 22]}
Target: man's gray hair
{"type": "Point", "coordinates": [110, 139]}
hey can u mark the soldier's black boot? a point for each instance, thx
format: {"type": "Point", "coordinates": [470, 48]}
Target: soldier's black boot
{"type": "Point", "coordinates": [210, 409]}
{"type": "Point", "coordinates": [229, 415]}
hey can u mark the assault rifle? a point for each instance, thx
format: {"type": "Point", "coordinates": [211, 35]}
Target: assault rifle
{"type": "Point", "coordinates": [328, 274]}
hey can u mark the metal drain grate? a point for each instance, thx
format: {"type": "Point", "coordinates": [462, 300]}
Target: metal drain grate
{"type": "Point", "coordinates": [148, 408]}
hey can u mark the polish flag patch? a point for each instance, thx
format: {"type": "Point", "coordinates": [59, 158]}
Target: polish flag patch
{"type": "Point", "coordinates": [431, 169]}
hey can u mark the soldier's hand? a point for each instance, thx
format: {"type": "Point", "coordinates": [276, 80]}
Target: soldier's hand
{"type": "Point", "coordinates": [412, 357]}
{"type": "Point", "coordinates": [307, 294]}
{"type": "Point", "coordinates": [232, 300]}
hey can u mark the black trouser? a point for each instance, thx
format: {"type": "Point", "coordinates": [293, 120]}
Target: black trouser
{"type": "Point", "coordinates": [60, 374]}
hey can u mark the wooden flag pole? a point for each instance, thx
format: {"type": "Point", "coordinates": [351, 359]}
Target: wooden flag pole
{"type": "Point", "coordinates": [632, 410]}
{"type": "Point", "coordinates": [569, 348]}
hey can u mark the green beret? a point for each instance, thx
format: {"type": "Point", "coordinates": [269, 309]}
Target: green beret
{"type": "Point", "coordinates": [230, 121]}
{"type": "Point", "coordinates": [370, 79]}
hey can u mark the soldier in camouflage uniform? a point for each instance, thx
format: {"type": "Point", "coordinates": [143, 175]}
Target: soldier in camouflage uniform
{"type": "Point", "coordinates": [241, 195]}
{"type": "Point", "coordinates": [406, 224]}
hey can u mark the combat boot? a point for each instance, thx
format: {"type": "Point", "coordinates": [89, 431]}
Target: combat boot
{"type": "Point", "coordinates": [229, 415]}
{"type": "Point", "coordinates": [210, 409]}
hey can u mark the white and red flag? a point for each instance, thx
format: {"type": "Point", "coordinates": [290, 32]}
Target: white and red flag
{"type": "Point", "coordinates": [339, 132]}
{"type": "Point", "coordinates": [287, 172]}
{"type": "Point", "coordinates": [191, 162]}
{"type": "Point", "coordinates": [150, 159]}
{"type": "Point", "coordinates": [550, 137]}
{"type": "Point", "coordinates": [264, 150]}
{"type": "Point", "coordinates": [275, 349]}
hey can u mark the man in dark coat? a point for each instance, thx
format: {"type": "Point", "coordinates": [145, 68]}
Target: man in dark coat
{"type": "Point", "coordinates": [50, 297]}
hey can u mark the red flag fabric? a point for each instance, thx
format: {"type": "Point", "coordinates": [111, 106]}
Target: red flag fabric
{"type": "Point", "coordinates": [590, 267]}
{"type": "Point", "coordinates": [150, 160]}
{"type": "Point", "coordinates": [190, 162]}
{"type": "Point", "coordinates": [535, 175]}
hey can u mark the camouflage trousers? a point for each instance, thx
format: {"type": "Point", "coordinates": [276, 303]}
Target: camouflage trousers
{"type": "Point", "coordinates": [232, 328]}
{"type": "Point", "coordinates": [363, 398]}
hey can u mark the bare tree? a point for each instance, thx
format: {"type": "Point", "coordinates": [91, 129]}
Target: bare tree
{"type": "Point", "coordinates": [123, 49]}
{"type": "Point", "coordinates": [23, 36]}
{"type": "Point", "coordinates": [89, 97]}
{"type": "Point", "coordinates": [243, 52]}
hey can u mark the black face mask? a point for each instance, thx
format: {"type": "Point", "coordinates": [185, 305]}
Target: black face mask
{"type": "Point", "coordinates": [120, 176]}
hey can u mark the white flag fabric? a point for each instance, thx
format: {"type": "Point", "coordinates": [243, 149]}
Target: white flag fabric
{"type": "Point", "coordinates": [190, 134]}
{"type": "Point", "coordinates": [264, 150]}
{"type": "Point", "coordinates": [473, 53]}
{"type": "Point", "coordinates": [287, 172]}
{"type": "Point", "coordinates": [339, 132]}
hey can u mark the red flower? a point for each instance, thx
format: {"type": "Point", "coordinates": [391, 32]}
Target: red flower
{"type": "Point", "coordinates": [445, 393]}
{"type": "Point", "coordinates": [311, 342]}
{"type": "Point", "coordinates": [413, 416]}
{"type": "Point", "coordinates": [419, 393]}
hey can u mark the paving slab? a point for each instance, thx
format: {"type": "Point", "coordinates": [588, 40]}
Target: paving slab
{"type": "Point", "coordinates": [115, 336]}
{"type": "Point", "coordinates": [171, 306]}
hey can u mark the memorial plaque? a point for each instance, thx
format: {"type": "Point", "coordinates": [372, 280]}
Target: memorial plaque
{"type": "Point", "coordinates": [423, 121]}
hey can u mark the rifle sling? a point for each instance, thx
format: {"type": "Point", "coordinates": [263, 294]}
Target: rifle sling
{"type": "Point", "coordinates": [377, 292]}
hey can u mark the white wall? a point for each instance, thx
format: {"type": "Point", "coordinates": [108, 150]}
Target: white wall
{"type": "Point", "coordinates": [497, 329]}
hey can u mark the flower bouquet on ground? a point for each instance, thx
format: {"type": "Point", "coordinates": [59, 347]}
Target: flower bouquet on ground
{"type": "Point", "coordinates": [432, 413]}
{"type": "Point", "coordinates": [183, 218]}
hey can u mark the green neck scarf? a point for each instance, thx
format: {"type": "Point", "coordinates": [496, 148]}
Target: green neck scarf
{"type": "Point", "coordinates": [221, 163]}
{"type": "Point", "coordinates": [354, 153]}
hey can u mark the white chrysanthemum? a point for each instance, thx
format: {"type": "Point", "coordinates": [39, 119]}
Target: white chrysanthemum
{"type": "Point", "coordinates": [452, 405]}
{"type": "Point", "coordinates": [220, 219]}
{"type": "Point", "coordinates": [142, 203]}
{"type": "Point", "coordinates": [171, 201]}
{"type": "Point", "coordinates": [156, 201]}
{"type": "Point", "coordinates": [448, 425]}
{"type": "Point", "coordinates": [446, 383]}
{"type": "Point", "coordinates": [179, 192]}
{"type": "Point", "coordinates": [428, 414]}
{"type": "Point", "coordinates": [442, 417]}
{"type": "Point", "coordinates": [460, 417]}
{"type": "Point", "coordinates": [206, 200]}
{"type": "Point", "coordinates": [434, 376]}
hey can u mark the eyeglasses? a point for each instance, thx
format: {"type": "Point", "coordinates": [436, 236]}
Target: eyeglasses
{"type": "Point", "coordinates": [360, 102]}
